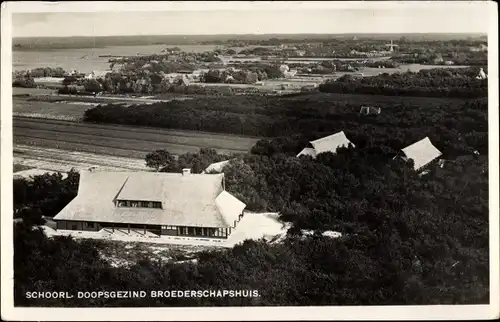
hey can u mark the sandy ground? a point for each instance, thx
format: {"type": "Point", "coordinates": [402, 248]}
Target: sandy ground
{"type": "Point", "coordinates": [252, 226]}
{"type": "Point", "coordinates": [35, 172]}
{"type": "Point", "coordinates": [47, 159]}
{"type": "Point", "coordinates": [256, 226]}
{"type": "Point", "coordinates": [123, 249]}
{"type": "Point", "coordinates": [121, 252]}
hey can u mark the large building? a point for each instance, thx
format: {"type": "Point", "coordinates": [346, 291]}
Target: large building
{"type": "Point", "coordinates": [172, 204]}
{"type": "Point", "coordinates": [422, 153]}
{"type": "Point", "coordinates": [327, 144]}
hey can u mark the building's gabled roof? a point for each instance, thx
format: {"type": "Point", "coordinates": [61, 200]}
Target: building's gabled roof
{"type": "Point", "coordinates": [331, 143]}
{"type": "Point", "coordinates": [229, 206]}
{"type": "Point", "coordinates": [422, 152]}
{"type": "Point", "coordinates": [217, 167]}
{"type": "Point", "coordinates": [141, 188]}
{"type": "Point", "coordinates": [187, 200]}
{"type": "Point", "coordinates": [327, 144]}
{"type": "Point", "coordinates": [307, 151]}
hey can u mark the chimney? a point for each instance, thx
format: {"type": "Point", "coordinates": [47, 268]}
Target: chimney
{"type": "Point", "coordinates": [186, 171]}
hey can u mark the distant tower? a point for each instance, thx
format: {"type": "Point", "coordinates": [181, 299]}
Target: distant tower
{"type": "Point", "coordinates": [391, 46]}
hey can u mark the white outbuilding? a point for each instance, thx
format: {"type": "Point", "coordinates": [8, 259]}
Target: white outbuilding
{"type": "Point", "coordinates": [326, 144]}
{"type": "Point", "coordinates": [422, 153]}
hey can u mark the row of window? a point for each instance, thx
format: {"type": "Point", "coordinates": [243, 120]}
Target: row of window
{"type": "Point", "coordinates": [138, 204]}
{"type": "Point", "coordinates": [199, 231]}
{"type": "Point", "coordinates": [181, 231]}
{"type": "Point", "coordinates": [203, 232]}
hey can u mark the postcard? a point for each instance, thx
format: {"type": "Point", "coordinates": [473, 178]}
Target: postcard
{"type": "Point", "coordinates": [202, 161]}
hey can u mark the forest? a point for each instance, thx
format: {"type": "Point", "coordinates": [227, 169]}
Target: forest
{"type": "Point", "coordinates": [43, 196]}
{"type": "Point", "coordinates": [406, 239]}
{"type": "Point", "coordinates": [464, 58]}
{"type": "Point", "coordinates": [458, 127]}
{"type": "Point", "coordinates": [439, 82]}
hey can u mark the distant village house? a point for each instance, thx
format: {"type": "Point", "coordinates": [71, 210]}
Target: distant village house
{"type": "Point", "coordinates": [370, 110]}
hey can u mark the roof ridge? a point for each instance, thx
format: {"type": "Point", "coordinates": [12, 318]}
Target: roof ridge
{"type": "Point", "coordinates": [328, 136]}
{"type": "Point", "coordinates": [420, 141]}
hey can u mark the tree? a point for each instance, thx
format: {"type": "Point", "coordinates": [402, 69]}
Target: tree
{"type": "Point", "coordinates": [251, 78]}
{"type": "Point", "coordinates": [68, 80]}
{"type": "Point", "coordinates": [93, 86]}
{"type": "Point", "coordinates": [27, 82]}
{"type": "Point", "coordinates": [212, 76]}
{"type": "Point", "coordinates": [160, 159]}
{"type": "Point", "coordinates": [273, 71]}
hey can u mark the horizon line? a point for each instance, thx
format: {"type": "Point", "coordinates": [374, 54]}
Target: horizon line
{"type": "Point", "coordinates": [264, 34]}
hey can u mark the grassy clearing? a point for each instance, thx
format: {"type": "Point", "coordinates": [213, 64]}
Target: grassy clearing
{"type": "Point", "coordinates": [48, 110]}
{"type": "Point", "coordinates": [32, 91]}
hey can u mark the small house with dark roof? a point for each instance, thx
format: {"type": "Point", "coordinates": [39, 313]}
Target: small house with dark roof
{"type": "Point", "coordinates": [172, 204]}
{"type": "Point", "coordinates": [370, 110]}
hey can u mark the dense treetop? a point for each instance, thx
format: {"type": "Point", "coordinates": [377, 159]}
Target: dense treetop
{"type": "Point", "coordinates": [460, 83]}
{"type": "Point", "coordinates": [456, 127]}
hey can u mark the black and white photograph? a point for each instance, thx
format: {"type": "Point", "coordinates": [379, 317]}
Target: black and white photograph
{"type": "Point", "coordinates": [249, 160]}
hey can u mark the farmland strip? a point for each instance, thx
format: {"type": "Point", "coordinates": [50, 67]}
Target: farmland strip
{"type": "Point", "coordinates": [108, 134]}
{"type": "Point", "coordinates": [135, 129]}
{"type": "Point", "coordinates": [122, 143]}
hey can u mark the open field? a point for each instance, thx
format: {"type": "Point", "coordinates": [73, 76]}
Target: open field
{"type": "Point", "coordinates": [71, 108]}
{"type": "Point", "coordinates": [32, 91]}
{"type": "Point", "coordinates": [122, 141]}
{"type": "Point", "coordinates": [105, 99]}
{"type": "Point", "coordinates": [48, 110]}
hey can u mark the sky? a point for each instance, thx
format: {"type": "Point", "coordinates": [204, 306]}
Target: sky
{"type": "Point", "coordinates": [473, 19]}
